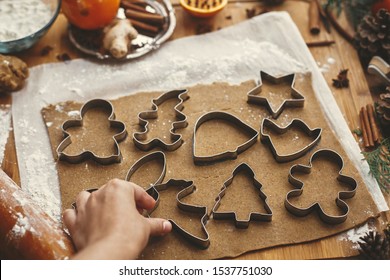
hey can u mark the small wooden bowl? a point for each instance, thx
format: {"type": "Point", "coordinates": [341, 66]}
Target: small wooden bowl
{"type": "Point", "coordinates": [203, 12]}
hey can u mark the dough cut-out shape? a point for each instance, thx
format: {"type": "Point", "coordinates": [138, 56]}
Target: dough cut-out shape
{"type": "Point", "coordinates": [299, 185]}
{"type": "Point", "coordinates": [140, 137]}
{"type": "Point", "coordinates": [266, 138]}
{"type": "Point", "coordinates": [187, 188]}
{"type": "Point", "coordinates": [296, 100]}
{"type": "Point", "coordinates": [155, 156]}
{"type": "Point", "coordinates": [226, 154]}
{"type": "Point", "coordinates": [253, 216]}
{"type": "Point", "coordinates": [120, 136]}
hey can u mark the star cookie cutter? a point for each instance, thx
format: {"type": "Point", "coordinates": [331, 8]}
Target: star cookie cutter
{"type": "Point", "coordinates": [143, 117]}
{"type": "Point", "coordinates": [266, 138]}
{"type": "Point", "coordinates": [226, 154]}
{"type": "Point", "coordinates": [301, 212]}
{"type": "Point", "coordinates": [188, 188]}
{"type": "Point", "coordinates": [114, 158]}
{"type": "Point", "coordinates": [145, 159]}
{"type": "Point", "coordinates": [253, 216]}
{"type": "Point", "coordinates": [297, 99]}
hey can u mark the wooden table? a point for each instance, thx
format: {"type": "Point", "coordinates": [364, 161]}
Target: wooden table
{"type": "Point", "coordinates": [350, 100]}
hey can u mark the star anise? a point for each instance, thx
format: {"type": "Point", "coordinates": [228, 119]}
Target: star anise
{"type": "Point", "coordinates": [342, 79]}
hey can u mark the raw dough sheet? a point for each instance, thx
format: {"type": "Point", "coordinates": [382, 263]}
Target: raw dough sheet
{"type": "Point", "coordinates": [216, 137]}
{"type": "Point", "coordinates": [270, 42]}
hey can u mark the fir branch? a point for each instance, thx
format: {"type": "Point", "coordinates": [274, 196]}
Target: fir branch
{"type": "Point", "coordinates": [379, 163]}
{"type": "Point", "coordinates": [357, 131]}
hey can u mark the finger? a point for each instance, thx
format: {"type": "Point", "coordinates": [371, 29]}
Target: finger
{"type": "Point", "coordinates": [159, 226]}
{"type": "Point", "coordinates": [142, 198]}
{"type": "Point", "coordinates": [69, 217]}
{"type": "Point", "coordinates": [81, 200]}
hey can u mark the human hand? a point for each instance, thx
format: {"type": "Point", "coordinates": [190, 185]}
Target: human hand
{"type": "Point", "coordinates": [108, 225]}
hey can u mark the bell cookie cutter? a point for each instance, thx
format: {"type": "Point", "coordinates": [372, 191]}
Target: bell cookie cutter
{"type": "Point", "coordinates": [297, 99]}
{"type": "Point", "coordinates": [145, 159]}
{"type": "Point", "coordinates": [227, 154]}
{"type": "Point", "coordinates": [188, 188]}
{"type": "Point", "coordinates": [253, 216]}
{"type": "Point", "coordinates": [301, 212]}
{"type": "Point", "coordinates": [266, 138]}
{"type": "Point", "coordinates": [139, 137]}
{"type": "Point", "coordinates": [114, 158]}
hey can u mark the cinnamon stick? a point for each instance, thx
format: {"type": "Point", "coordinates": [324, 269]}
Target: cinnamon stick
{"type": "Point", "coordinates": [134, 7]}
{"type": "Point", "coordinates": [149, 18]}
{"type": "Point", "coordinates": [367, 126]}
{"type": "Point", "coordinates": [374, 128]}
{"type": "Point", "coordinates": [314, 18]}
{"type": "Point", "coordinates": [364, 131]}
{"type": "Point", "coordinates": [320, 43]}
{"type": "Point", "coordinates": [142, 3]}
{"type": "Point", "coordinates": [144, 26]}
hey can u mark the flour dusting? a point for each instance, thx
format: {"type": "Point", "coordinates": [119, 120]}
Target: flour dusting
{"type": "Point", "coordinates": [21, 18]}
{"type": "Point", "coordinates": [5, 127]}
{"type": "Point", "coordinates": [354, 235]}
{"type": "Point", "coordinates": [21, 226]}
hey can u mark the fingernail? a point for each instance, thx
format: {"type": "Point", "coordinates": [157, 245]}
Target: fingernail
{"type": "Point", "coordinates": [167, 226]}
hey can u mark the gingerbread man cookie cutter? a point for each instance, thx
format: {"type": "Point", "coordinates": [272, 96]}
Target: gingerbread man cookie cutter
{"type": "Point", "coordinates": [114, 158]}
{"type": "Point", "coordinates": [226, 154]}
{"type": "Point", "coordinates": [253, 216]}
{"type": "Point", "coordinates": [266, 138]}
{"type": "Point", "coordinates": [297, 100]}
{"type": "Point", "coordinates": [188, 188]}
{"type": "Point", "coordinates": [140, 137]}
{"type": "Point", "coordinates": [301, 212]}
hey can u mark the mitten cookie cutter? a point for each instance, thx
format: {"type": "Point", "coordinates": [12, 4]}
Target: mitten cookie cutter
{"type": "Point", "coordinates": [266, 138]}
{"type": "Point", "coordinates": [188, 188]}
{"type": "Point", "coordinates": [138, 137]}
{"type": "Point", "coordinates": [253, 216]}
{"type": "Point", "coordinates": [114, 158]}
{"type": "Point", "coordinates": [297, 100]}
{"type": "Point", "coordinates": [300, 212]}
{"type": "Point", "coordinates": [226, 154]}
{"type": "Point", "coordinates": [145, 159]}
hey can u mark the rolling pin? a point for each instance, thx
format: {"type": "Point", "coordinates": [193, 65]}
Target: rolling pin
{"type": "Point", "coordinates": [26, 231]}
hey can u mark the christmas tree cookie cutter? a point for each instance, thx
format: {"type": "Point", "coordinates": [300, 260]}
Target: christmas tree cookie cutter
{"type": "Point", "coordinates": [85, 155]}
{"type": "Point", "coordinates": [297, 100]}
{"type": "Point", "coordinates": [299, 185]}
{"type": "Point", "coordinates": [266, 138]}
{"type": "Point", "coordinates": [226, 154]}
{"type": "Point", "coordinates": [188, 188]}
{"type": "Point", "coordinates": [140, 137]}
{"type": "Point", "coordinates": [253, 216]}
{"type": "Point", "coordinates": [159, 156]}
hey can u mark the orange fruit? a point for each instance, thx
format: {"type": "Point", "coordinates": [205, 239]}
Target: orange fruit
{"type": "Point", "coordinates": [90, 14]}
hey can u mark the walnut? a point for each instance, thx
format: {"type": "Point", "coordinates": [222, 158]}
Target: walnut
{"type": "Point", "coordinates": [13, 72]}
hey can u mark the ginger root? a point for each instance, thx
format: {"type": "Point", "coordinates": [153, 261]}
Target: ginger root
{"type": "Point", "coordinates": [118, 36]}
{"type": "Point", "coordinates": [13, 72]}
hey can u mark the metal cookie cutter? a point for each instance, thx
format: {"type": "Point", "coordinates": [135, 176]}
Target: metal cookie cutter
{"type": "Point", "coordinates": [188, 188]}
{"type": "Point", "coordinates": [145, 159]}
{"type": "Point", "coordinates": [253, 216]}
{"type": "Point", "coordinates": [266, 138]}
{"type": "Point", "coordinates": [115, 158]}
{"type": "Point", "coordinates": [227, 154]}
{"type": "Point", "coordinates": [379, 67]}
{"type": "Point", "coordinates": [297, 99]}
{"type": "Point", "coordinates": [138, 137]}
{"type": "Point", "coordinates": [316, 206]}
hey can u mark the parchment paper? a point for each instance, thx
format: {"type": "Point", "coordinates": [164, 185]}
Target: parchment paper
{"type": "Point", "coordinates": [270, 42]}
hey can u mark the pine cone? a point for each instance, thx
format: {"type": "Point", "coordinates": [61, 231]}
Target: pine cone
{"type": "Point", "coordinates": [383, 108]}
{"type": "Point", "coordinates": [374, 246]}
{"type": "Point", "coordinates": [373, 36]}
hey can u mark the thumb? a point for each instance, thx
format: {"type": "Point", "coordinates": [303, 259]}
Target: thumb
{"type": "Point", "coordinates": [159, 226]}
